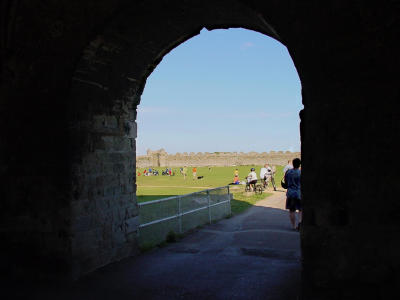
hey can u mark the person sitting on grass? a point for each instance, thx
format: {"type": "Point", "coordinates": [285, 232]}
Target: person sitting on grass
{"type": "Point", "coordinates": [252, 179]}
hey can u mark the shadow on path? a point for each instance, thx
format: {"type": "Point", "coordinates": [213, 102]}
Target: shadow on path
{"type": "Point", "coordinates": [254, 255]}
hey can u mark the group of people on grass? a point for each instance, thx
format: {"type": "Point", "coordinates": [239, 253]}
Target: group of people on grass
{"type": "Point", "coordinates": [291, 178]}
{"type": "Point", "coordinates": [150, 172]}
{"type": "Point", "coordinates": [168, 171]}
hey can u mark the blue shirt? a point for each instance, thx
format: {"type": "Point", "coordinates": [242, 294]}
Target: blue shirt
{"type": "Point", "coordinates": [292, 178]}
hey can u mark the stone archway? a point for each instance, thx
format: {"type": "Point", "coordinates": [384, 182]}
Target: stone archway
{"type": "Point", "coordinates": [76, 113]}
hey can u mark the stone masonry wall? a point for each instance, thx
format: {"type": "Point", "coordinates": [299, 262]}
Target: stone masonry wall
{"type": "Point", "coordinates": [161, 158]}
{"type": "Point", "coordinates": [104, 219]}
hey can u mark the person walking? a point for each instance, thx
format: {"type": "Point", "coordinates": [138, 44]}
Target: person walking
{"type": "Point", "coordinates": [184, 172]}
{"type": "Point", "coordinates": [263, 170]}
{"type": "Point", "coordinates": [287, 167]}
{"type": "Point", "coordinates": [194, 171]}
{"type": "Point", "coordinates": [273, 171]}
{"type": "Point", "coordinates": [263, 175]}
{"type": "Point", "coordinates": [293, 194]}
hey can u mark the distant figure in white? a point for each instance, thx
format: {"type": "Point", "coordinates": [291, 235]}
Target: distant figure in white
{"type": "Point", "coordinates": [287, 167]}
{"type": "Point", "coordinates": [266, 174]}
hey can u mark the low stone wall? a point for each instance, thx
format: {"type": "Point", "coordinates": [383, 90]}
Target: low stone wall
{"type": "Point", "coordinates": [161, 158]}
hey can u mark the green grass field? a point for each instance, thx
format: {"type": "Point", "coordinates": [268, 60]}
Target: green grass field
{"type": "Point", "coordinates": [156, 187]}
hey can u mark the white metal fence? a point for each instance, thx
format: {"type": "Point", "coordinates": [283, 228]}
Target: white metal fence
{"type": "Point", "coordinates": [181, 213]}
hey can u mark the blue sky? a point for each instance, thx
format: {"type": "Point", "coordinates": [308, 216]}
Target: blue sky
{"type": "Point", "coordinates": [222, 90]}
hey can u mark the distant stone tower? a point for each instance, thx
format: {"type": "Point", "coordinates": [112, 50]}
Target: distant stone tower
{"type": "Point", "coordinates": [162, 158]}
{"type": "Point", "coordinates": [158, 158]}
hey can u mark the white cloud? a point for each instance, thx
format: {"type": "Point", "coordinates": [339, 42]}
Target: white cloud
{"type": "Point", "coordinates": [247, 45]}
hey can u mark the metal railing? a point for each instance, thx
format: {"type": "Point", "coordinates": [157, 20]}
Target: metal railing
{"type": "Point", "coordinates": [181, 213]}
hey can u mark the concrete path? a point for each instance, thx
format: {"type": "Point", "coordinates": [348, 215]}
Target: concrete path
{"type": "Point", "coordinates": [175, 186]}
{"type": "Point", "coordinates": [254, 255]}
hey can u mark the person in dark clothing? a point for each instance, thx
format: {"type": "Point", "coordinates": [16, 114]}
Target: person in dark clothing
{"type": "Point", "coordinates": [293, 194]}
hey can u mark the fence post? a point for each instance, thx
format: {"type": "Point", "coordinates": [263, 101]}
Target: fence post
{"type": "Point", "coordinates": [229, 203]}
{"type": "Point", "coordinates": [179, 214]}
{"type": "Point", "coordinates": [209, 208]}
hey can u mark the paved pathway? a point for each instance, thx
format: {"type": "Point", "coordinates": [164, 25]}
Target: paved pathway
{"type": "Point", "coordinates": [254, 255]}
{"type": "Point", "coordinates": [175, 186]}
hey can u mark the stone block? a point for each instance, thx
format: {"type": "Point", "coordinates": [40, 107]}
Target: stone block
{"type": "Point", "coordinates": [119, 238]}
{"type": "Point", "coordinates": [108, 142]}
{"type": "Point", "coordinates": [130, 188]}
{"type": "Point", "coordinates": [118, 214]}
{"type": "Point", "coordinates": [110, 122]}
{"type": "Point", "coordinates": [132, 237]}
{"type": "Point", "coordinates": [131, 224]}
{"type": "Point", "coordinates": [108, 168]}
{"type": "Point", "coordinates": [125, 200]}
{"type": "Point", "coordinates": [84, 243]}
{"type": "Point", "coordinates": [81, 223]}
{"type": "Point", "coordinates": [132, 210]}
{"type": "Point", "coordinates": [131, 129]}
{"type": "Point", "coordinates": [122, 144]}
{"type": "Point", "coordinates": [126, 250]}
{"type": "Point", "coordinates": [102, 203]}
{"type": "Point", "coordinates": [118, 168]}
{"type": "Point", "coordinates": [106, 234]}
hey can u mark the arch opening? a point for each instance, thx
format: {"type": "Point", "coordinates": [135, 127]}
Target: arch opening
{"type": "Point", "coordinates": [169, 123]}
{"type": "Point", "coordinates": [244, 80]}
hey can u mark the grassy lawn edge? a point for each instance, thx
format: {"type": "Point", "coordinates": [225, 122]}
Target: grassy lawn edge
{"type": "Point", "coordinates": [242, 201]}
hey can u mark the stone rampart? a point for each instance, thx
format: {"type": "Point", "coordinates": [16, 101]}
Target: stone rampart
{"type": "Point", "coordinates": [161, 158]}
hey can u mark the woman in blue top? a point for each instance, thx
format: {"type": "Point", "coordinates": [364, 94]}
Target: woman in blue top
{"type": "Point", "coordinates": [293, 194]}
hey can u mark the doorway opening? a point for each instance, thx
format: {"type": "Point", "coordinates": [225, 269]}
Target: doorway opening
{"type": "Point", "coordinates": [218, 105]}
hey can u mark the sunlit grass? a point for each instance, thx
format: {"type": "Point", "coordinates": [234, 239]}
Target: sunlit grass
{"type": "Point", "coordinates": [156, 187]}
